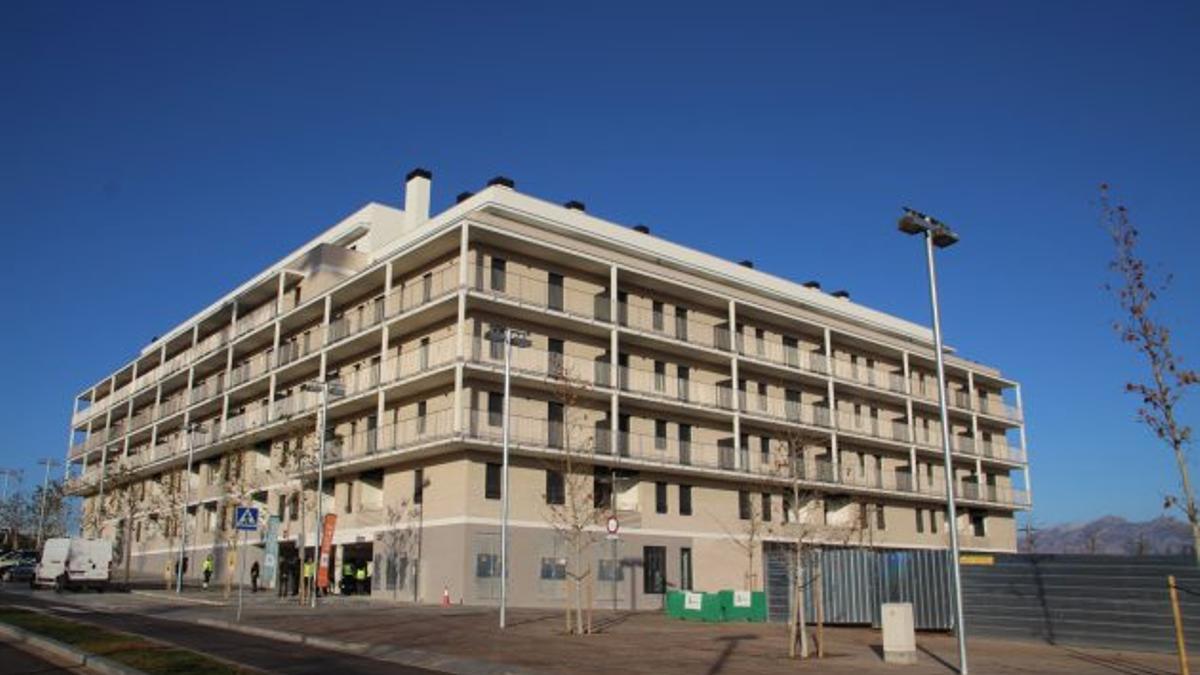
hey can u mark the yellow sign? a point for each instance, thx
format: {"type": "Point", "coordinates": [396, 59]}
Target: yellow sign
{"type": "Point", "coordinates": [975, 559]}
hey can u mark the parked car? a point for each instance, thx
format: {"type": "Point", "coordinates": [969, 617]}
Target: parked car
{"type": "Point", "coordinates": [15, 557]}
{"type": "Point", "coordinates": [71, 563]}
{"type": "Point", "coordinates": [14, 560]}
{"type": "Point", "coordinates": [21, 572]}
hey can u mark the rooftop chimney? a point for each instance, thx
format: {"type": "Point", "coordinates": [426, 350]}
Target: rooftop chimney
{"type": "Point", "coordinates": [641, 228]}
{"type": "Point", "coordinates": [502, 181]}
{"type": "Point", "coordinates": [815, 285]}
{"type": "Point", "coordinates": [416, 198]}
{"type": "Point", "coordinates": [747, 263]}
{"type": "Point", "coordinates": [575, 205]}
{"type": "Point", "coordinates": [844, 295]}
{"type": "Point", "coordinates": [463, 196]}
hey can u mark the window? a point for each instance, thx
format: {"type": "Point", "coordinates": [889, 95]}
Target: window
{"type": "Point", "coordinates": [495, 347]}
{"type": "Point", "coordinates": [978, 523]}
{"type": "Point", "coordinates": [744, 508]}
{"type": "Point", "coordinates": [660, 376]}
{"type": "Point", "coordinates": [498, 274]}
{"type": "Point", "coordinates": [788, 507]}
{"type": "Point", "coordinates": [657, 313]}
{"type": "Point", "coordinates": [495, 409]}
{"type": "Point", "coordinates": [602, 488]}
{"type": "Point", "coordinates": [554, 288]}
{"type": "Point", "coordinates": [426, 287]}
{"type": "Point", "coordinates": [554, 426]}
{"type": "Point", "coordinates": [766, 508]}
{"type": "Point", "coordinates": [487, 565]}
{"type": "Point", "coordinates": [760, 343]}
{"type": "Point", "coordinates": [685, 444]}
{"type": "Point", "coordinates": [660, 434]}
{"type": "Point", "coordinates": [685, 500]}
{"type": "Point", "coordinates": [554, 358]}
{"type": "Point", "coordinates": [294, 507]}
{"type": "Point", "coordinates": [610, 570]}
{"type": "Point", "coordinates": [762, 396]}
{"type": "Point", "coordinates": [554, 569]}
{"type": "Point", "coordinates": [683, 374]}
{"type": "Point", "coordinates": [349, 496]}
{"type": "Point", "coordinates": [933, 521]}
{"type": "Point", "coordinates": [880, 517]}
{"type": "Point", "coordinates": [421, 410]}
{"type": "Point", "coordinates": [654, 566]}
{"type": "Point", "coordinates": [423, 353]}
{"type": "Point", "coordinates": [660, 497]}
{"type": "Point", "coordinates": [419, 486]}
{"type": "Point", "coordinates": [685, 569]}
{"type": "Point", "coordinates": [764, 448]}
{"type": "Point", "coordinates": [920, 514]}
{"type": "Point", "coordinates": [491, 487]}
{"type": "Point", "coordinates": [681, 323]}
{"type": "Point", "coordinates": [555, 487]}
{"type": "Point", "coordinates": [791, 351]}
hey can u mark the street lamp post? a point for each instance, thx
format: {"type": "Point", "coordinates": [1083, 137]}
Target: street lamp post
{"type": "Point", "coordinates": [183, 509]}
{"type": "Point", "coordinates": [326, 389]}
{"type": "Point", "coordinates": [940, 235]}
{"type": "Point", "coordinates": [48, 463]}
{"type": "Point", "coordinates": [509, 337]}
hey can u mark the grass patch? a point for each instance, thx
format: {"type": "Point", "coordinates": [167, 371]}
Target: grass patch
{"type": "Point", "coordinates": [131, 650]}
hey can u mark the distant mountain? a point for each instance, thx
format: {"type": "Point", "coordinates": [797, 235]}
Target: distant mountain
{"type": "Point", "coordinates": [1110, 535]}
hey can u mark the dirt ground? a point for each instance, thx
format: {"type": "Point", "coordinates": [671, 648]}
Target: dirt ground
{"type": "Point", "coordinates": [652, 643]}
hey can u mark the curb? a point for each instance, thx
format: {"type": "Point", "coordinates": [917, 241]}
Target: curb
{"type": "Point", "coordinates": [72, 656]}
{"type": "Point", "coordinates": [403, 656]}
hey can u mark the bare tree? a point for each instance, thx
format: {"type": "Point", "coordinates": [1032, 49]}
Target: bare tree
{"type": "Point", "coordinates": [165, 503]}
{"type": "Point", "coordinates": [125, 500]}
{"type": "Point", "coordinates": [807, 527]}
{"type": "Point", "coordinates": [1137, 291]}
{"type": "Point", "coordinates": [754, 526]}
{"type": "Point", "coordinates": [402, 538]}
{"type": "Point", "coordinates": [574, 514]}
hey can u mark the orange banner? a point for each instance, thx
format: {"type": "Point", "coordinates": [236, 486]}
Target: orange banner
{"type": "Point", "coordinates": [326, 548]}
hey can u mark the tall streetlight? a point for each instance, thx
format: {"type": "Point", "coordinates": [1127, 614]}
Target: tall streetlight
{"type": "Point", "coordinates": [191, 428]}
{"type": "Point", "coordinates": [940, 235]}
{"type": "Point", "coordinates": [326, 388]}
{"type": "Point", "coordinates": [7, 473]}
{"type": "Point", "coordinates": [510, 338]}
{"type": "Point", "coordinates": [48, 463]}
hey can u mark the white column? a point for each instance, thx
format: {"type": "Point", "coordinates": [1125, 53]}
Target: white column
{"type": "Point", "coordinates": [614, 347]}
{"type": "Point", "coordinates": [461, 327]}
{"type": "Point", "coordinates": [1024, 448]}
{"type": "Point", "coordinates": [737, 403]}
{"type": "Point", "coordinates": [833, 407]}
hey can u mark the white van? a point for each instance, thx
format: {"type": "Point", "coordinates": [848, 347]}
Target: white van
{"type": "Point", "coordinates": [74, 563]}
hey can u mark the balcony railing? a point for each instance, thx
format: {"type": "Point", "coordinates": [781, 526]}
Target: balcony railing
{"type": "Point", "coordinates": [783, 355]}
{"type": "Point", "coordinates": [418, 359]}
{"type": "Point", "coordinates": [888, 430]}
{"type": "Point", "coordinates": [785, 409]}
{"type": "Point", "coordinates": [540, 293]}
{"type": "Point", "coordinates": [424, 290]}
{"type": "Point", "coordinates": [252, 368]}
{"type": "Point", "coordinates": [877, 378]}
{"type": "Point", "coordinates": [207, 389]}
{"type": "Point", "coordinates": [354, 322]}
{"type": "Point", "coordinates": [542, 363]}
{"type": "Point", "coordinates": [683, 390]}
{"type": "Point", "coordinates": [712, 335]}
{"type": "Point", "coordinates": [255, 318]}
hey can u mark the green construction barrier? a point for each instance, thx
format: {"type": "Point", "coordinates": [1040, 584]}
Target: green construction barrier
{"type": "Point", "coordinates": [675, 604]}
{"type": "Point", "coordinates": [743, 605]}
{"type": "Point", "coordinates": [702, 607]}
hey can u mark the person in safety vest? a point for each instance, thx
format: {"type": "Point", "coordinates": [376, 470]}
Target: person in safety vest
{"type": "Point", "coordinates": [347, 577]}
{"type": "Point", "coordinates": [308, 577]}
{"type": "Point", "coordinates": [208, 570]}
{"type": "Point", "coordinates": [360, 579]}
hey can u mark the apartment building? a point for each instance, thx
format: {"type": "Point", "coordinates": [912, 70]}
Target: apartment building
{"type": "Point", "coordinates": [701, 402]}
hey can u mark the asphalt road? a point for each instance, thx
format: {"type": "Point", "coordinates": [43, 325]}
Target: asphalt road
{"type": "Point", "coordinates": [257, 652]}
{"type": "Point", "coordinates": [19, 662]}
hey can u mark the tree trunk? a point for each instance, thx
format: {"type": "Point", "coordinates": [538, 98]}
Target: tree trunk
{"type": "Point", "coordinates": [803, 612]}
{"type": "Point", "coordinates": [819, 606]}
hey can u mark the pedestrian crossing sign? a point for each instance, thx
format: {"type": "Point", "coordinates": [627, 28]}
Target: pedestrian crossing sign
{"type": "Point", "coordinates": [246, 518]}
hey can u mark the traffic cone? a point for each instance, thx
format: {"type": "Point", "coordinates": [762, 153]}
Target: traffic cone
{"type": "Point", "coordinates": [445, 596]}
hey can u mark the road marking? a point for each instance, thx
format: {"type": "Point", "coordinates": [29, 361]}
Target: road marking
{"type": "Point", "coordinates": [180, 598]}
{"type": "Point", "coordinates": [69, 610]}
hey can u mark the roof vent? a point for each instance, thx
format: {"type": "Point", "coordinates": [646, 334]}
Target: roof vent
{"type": "Point", "coordinates": [815, 285]}
{"type": "Point", "coordinates": [463, 196]}
{"type": "Point", "coordinates": [502, 181]}
{"type": "Point", "coordinates": [575, 205]}
{"type": "Point", "coordinates": [844, 295]}
{"type": "Point", "coordinates": [641, 228]}
{"type": "Point", "coordinates": [747, 263]}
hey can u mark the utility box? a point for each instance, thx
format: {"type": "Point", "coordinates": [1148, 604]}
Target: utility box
{"type": "Point", "coordinates": [899, 639]}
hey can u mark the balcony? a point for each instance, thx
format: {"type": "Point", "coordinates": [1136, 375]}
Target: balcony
{"type": "Point", "coordinates": [786, 410]}
{"type": "Point", "coordinates": [875, 378]}
{"type": "Point", "coordinates": [211, 343]}
{"type": "Point", "coordinates": [427, 289]}
{"type": "Point", "coordinates": [674, 327]}
{"type": "Point", "coordinates": [541, 363]}
{"type": "Point", "coordinates": [779, 354]}
{"type": "Point", "coordinates": [354, 322]}
{"type": "Point", "coordinates": [681, 390]}
{"type": "Point", "coordinates": [207, 389]}
{"type": "Point", "coordinates": [539, 293]}
{"type": "Point", "coordinates": [888, 430]}
{"type": "Point", "coordinates": [250, 369]}
{"type": "Point", "coordinates": [255, 318]}
{"type": "Point", "coordinates": [420, 359]}
{"type": "Point", "coordinates": [999, 408]}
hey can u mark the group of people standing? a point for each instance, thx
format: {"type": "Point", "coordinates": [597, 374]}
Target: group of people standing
{"type": "Point", "coordinates": [296, 578]}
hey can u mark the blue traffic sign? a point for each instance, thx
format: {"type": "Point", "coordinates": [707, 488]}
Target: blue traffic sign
{"type": "Point", "coordinates": [246, 518]}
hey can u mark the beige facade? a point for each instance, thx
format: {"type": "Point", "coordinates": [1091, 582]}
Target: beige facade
{"type": "Point", "coordinates": [698, 401]}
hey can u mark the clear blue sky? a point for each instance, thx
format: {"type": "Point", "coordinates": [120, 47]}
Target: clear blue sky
{"type": "Point", "coordinates": [154, 155]}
